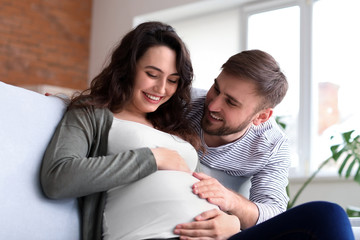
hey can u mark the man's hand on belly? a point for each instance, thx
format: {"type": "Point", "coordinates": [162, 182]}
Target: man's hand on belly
{"type": "Point", "coordinates": [214, 192]}
{"type": "Point", "coordinates": [214, 224]}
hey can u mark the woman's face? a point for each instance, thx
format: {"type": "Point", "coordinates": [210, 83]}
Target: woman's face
{"type": "Point", "coordinates": [156, 80]}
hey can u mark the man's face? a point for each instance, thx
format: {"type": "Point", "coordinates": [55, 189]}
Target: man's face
{"type": "Point", "coordinates": [230, 106]}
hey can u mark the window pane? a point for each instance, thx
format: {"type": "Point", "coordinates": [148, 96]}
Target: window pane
{"type": "Point", "coordinates": [336, 51]}
{"type": "Point", "coordinates": [278, 32]}
{"type": "Point", "coordinates": [211, 39]}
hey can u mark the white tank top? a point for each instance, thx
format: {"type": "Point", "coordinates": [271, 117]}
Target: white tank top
{"type": "Point", "coordinates": [154, 205]}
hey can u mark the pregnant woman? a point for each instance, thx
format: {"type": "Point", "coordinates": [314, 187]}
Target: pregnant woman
{"type": "Point", "coordinates": [124, 148]}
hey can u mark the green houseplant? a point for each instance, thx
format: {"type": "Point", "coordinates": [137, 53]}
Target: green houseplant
{"type": "Point", "coordinates": [347, 155]}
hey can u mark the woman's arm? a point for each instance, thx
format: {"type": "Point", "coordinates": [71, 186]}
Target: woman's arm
{"type": "Point", "coordinates": [75, 163]}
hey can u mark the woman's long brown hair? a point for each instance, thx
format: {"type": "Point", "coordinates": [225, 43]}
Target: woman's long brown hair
{"type": "Point", "coordinates": [113, 87]}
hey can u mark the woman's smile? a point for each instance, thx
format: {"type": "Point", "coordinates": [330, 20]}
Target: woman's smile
{"type": "Point", "coordinates": [152, 98]}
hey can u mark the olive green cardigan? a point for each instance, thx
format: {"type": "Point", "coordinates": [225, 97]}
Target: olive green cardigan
{"type": "Point", "coordinates": [76, 164]}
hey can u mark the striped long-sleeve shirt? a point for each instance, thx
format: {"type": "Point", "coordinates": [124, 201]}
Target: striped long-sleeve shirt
{"type": "Point", "coordinates": [261, 154]}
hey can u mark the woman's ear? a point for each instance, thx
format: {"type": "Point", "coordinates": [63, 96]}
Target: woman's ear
{"type": "Point", "coordinates": [263, 116]}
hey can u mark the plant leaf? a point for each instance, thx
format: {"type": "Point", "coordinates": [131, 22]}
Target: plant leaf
{"type": "Point", "coordinates": [334, 148]}
{"type": "Point", "coordinates": [348, 171]}
{"type": "Point", "coordinates": [336, 155]}
{"type": "Point", "coordinates": [357, 176]}
{"type": "Point", "coordinates": [344, 163]}
{"type": "Point", "coordinates": [347, 136]}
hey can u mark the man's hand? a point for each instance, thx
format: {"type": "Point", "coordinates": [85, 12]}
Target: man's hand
{"type": "Point", "coordinates": [214, 192]}
{"type": "Point", "coordinates": [212, 224]}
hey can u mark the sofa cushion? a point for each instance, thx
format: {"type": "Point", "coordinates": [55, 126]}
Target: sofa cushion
{"type": "Point", "coordinates": [27, 122]}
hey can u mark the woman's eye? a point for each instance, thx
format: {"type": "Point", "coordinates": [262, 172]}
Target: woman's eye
{"type": "Point", "coordinates": [172, 80]}
{"type": "Point", "coordinates": [150, 75]}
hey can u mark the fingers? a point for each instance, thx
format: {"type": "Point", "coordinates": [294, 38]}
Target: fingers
{"type": "Point", "coordinates": [214, 192]}
{"type": "Point", "coordinates": [200, 175]}
{"type": "Point", "coordinates": [196, 229]}
{"type": "Point", "coordinates": [207, 187]}
{"type": "Point", "coordinates": [208, 215]}
{"type": "Point", "coordinates": [212, 224]}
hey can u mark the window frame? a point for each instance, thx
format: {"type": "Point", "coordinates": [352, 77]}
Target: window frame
{"type": "Point", "coordinates": [308, 90]}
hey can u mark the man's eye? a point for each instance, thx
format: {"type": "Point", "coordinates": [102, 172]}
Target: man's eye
{"type": "Point", "coordinates": [230, 102]}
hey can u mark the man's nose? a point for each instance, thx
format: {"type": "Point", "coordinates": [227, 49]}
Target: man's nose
{"type": "Point", "coordinates": [215, 104]}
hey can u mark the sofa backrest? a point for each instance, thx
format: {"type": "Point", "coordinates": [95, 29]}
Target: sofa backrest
{"type": "Point", "coordinates": [27, 122]}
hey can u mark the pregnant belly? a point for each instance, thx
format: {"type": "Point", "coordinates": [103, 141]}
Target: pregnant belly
{"type": "Point", "coordinates": [152, 206]}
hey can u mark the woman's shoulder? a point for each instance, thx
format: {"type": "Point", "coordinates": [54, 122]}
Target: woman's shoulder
{"type": "Point", "coordinates": [89, 114]}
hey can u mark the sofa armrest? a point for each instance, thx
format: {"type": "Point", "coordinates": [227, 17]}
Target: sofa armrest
{"type": "Point", "coordinates": [27, 122]}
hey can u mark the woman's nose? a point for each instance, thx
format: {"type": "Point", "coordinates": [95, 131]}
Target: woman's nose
{"type": "Point", "coordinates": [160, 86]}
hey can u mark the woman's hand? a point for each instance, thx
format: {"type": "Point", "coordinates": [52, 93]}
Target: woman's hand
{"type": "Point", "coordinates": [167, 159]}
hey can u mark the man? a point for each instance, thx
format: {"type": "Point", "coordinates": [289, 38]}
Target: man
{"type": "Point", "coordinates": [241, 142]}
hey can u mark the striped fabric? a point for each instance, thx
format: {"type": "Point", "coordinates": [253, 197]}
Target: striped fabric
{"type": "Point", "coordinates": [262, 153]}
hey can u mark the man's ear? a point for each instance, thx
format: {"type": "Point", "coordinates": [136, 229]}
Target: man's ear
{"type": "Point", "coordinates": [262, 116]}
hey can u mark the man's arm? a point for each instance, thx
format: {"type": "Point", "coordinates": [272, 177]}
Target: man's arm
{"type": "Point", "coordinates": [268, 197]}
{"type": "Point", "coordinates": [228, 201]}
{"type": "Point", "coordinates": [268, 191]}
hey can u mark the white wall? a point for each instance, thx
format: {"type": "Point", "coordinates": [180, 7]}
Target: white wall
{"type": "Point", "coordinates": [345, 192]}
{"type": "Point", "coordinates": [111, 19]}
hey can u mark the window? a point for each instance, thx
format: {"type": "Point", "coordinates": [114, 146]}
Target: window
{"type": "Point", "coordinates": [211, 39]}
{"type": "Point", "coordinates": [277, 32]}
{"type": "Point", "coordinates": [317, 44]}
{"type": "Point", "coordinates": [336, 51]}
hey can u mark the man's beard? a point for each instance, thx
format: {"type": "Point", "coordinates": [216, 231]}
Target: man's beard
{"type": "Point", "coordinates": [223, 130]}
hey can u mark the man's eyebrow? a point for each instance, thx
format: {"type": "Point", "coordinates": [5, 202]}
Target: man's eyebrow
{"type": "Point", "coordinates": [227, 95]}
{"type": "Point", "coordinates": [233, 99]}
{"type": "Point", "coordinates": [158, 69]}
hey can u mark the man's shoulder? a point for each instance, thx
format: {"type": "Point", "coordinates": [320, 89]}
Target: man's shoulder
{"type": "Point", "coordinates": [197, 93]}
{"type": "Point", "coordinates": [268, 133]}
{"type": "Point", "coordinates": [269, 127]}
{"type": "Point", "coordinates": [197, 100]}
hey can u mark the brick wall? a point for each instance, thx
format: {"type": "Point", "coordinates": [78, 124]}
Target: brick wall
{"type": "Point", "coordinates": [45, 42]}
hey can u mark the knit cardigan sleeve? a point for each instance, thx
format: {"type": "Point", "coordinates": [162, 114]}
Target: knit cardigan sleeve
{"type": "Point", "coordinates": [76, 163]}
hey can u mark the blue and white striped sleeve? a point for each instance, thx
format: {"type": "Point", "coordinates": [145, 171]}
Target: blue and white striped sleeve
{"type": "Point", "coordinates": [268, 189]}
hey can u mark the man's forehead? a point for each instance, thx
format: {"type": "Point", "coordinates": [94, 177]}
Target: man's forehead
{"type": "Point", "coordinates": [235, 87]}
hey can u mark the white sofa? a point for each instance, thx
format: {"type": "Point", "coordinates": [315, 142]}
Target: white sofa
{"type": "Point", "coordinates": [27, 122]}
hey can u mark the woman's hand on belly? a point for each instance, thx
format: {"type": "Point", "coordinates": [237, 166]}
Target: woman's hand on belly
{"type": "Point", "coordinates": [167, 159]}
{"type": "Point", "coordinates": [213, 223]}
